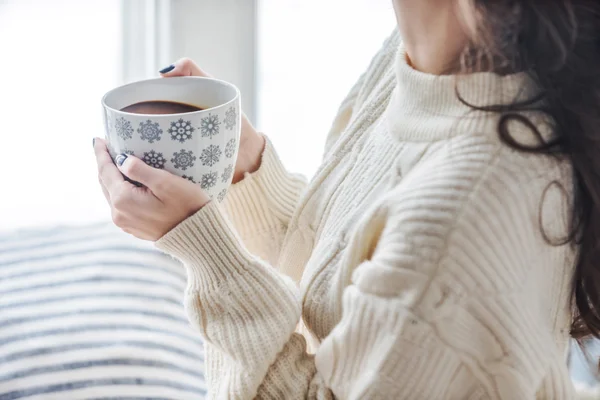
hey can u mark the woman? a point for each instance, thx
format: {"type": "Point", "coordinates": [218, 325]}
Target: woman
{"type": "Point", "coordinates": [446, 249]}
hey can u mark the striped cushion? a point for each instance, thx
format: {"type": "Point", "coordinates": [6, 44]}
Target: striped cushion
{"type": "Point", "coordinates": [91, 313]}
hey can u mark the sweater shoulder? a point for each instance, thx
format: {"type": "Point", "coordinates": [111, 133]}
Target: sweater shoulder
{"type": "Point", "coordinates": [465, 170]}
{"type": "Point", "coordinates": [473, 200]}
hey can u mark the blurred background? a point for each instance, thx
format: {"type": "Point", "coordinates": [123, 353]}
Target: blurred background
{"type": "Point", "coordinates": [293, 60]}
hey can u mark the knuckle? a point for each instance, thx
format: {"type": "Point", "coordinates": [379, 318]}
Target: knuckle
{"type": "Point", "coordinates": [120, 200]}
{"type": "Point", "coordinates": [102, 170]}
{"type": "Point", "coordinates": [118, 218]}
{"type": "Point", "coordinates": [162, 186]}
{"type": "Point", "coordinates": [186, 61]}
{"type": "Point", "coordinates": [131, 167]}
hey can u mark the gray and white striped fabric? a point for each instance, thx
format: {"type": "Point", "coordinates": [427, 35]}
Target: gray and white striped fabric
{"type": "Point", "coordinates": [91, 313]}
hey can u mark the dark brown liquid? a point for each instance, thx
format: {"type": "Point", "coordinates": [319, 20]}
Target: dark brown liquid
{"type": "Point", "coordinates": [160, 107]}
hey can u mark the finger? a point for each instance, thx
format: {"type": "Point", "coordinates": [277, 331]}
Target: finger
{"type": "Point", "coordinates": [135, 169]}
{"type": "Point", "coordinates": [107, 171]}
{"type": "Point", "coordinates": [183, 67]}
{"type": "Point", "coordinates": [105, 192]}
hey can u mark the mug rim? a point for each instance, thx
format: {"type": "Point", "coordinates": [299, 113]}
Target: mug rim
{"type": "Point", "coordinates": [233, 100]}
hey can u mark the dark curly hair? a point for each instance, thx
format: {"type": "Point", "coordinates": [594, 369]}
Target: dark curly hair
{"type": "Point", "coordinates": [557, 42]}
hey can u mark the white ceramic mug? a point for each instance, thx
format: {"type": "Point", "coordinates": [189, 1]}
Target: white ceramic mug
{"type": "Point", "coordinates": [200, 146]}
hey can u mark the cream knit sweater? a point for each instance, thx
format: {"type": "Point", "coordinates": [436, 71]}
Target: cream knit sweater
{"type": "Point", "coordinates": [415, 258]}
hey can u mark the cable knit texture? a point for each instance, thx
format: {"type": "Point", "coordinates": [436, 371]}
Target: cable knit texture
{"type": "Point", "coordinates": [417, 258]}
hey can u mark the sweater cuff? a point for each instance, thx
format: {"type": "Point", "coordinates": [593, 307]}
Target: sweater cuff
{"type": "Point", "coordinates": [209, 248]}
{"type": "Point", "coordinates": [265, 198]}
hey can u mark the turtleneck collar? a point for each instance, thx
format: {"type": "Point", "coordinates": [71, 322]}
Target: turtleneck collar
{"type": "Point", "coordinates": [426, 107]}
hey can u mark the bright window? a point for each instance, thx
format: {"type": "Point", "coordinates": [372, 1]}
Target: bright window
{"type": "Point", "coordinates": [310, 52]}
{"type": "Point", "coordinates": [59, 57]}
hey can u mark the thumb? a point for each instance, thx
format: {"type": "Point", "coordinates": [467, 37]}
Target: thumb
{"type": "Point", "coordinates": [183, 67]}
{"type": "Point", "coordinates": [138, 171]}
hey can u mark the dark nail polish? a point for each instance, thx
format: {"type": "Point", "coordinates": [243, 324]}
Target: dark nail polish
{"type": "Point", "coordinates": [94, 142]}
{"type": "Point", "coordinates": [167, 69]}
{"type": "Point", "coordinates": [120, 159]}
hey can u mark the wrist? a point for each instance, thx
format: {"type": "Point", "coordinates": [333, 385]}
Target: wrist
{"type": "Point", "coordinates": [252, 146]}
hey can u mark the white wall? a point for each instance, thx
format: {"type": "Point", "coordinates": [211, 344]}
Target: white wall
{"type": "Point", "coordinates": [220, 36]}
{"type": "Point", "coordinates": [310, 54]}
{"type": "Point", "coordinates": [60, 57]}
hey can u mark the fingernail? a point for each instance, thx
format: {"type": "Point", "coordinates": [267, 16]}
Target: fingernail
{"type": "Point", "coordinates": [167, 69]}
{"type": "Point", "coordinates": [120, 159]}
{"type": "Point", "coordinates": [94, 142]}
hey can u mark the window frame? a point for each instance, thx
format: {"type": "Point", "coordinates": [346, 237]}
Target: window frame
{"type": "Point", "coordinates": [157, 32]}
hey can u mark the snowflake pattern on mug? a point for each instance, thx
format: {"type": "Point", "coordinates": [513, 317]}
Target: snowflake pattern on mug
{"type": "Point", "coordinates": [154, 159]}
{"type": "Point", "coordinates": [183, 160]}
{"type": "Point", "coordinates": [181, 130]}
{"type": "Point", "coordinates": [149, 131]}
{"type": "Point", "coordinates": [128, 152]}
{"type": "Point", "coordinates": [230, 118]}
{"type": "Point", "coordinates": [123, 128]}
{"type": "Point", "coordinates": [230, 148]}
{"type": "Point", "coordinates": [189, 178]}
{"type": "Point", "coordinates": [221, 195]}
{"type": "Point", "coordinates": [208, 180]}
{"type": "Point", "coordinates": [227, 172]}
{"type": "Point", "coordinates": [209, 126]}
{"type": "Point", "coordinates": [211, 155]}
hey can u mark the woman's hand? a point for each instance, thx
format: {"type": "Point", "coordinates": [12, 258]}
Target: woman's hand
{"type": "Point", "coordinates": [252, 143]}
{"type": "Point", "coordinates": [145, 212]}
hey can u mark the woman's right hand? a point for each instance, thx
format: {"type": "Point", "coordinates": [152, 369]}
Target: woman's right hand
{"type": "Point", "coordinates": [252, 143]}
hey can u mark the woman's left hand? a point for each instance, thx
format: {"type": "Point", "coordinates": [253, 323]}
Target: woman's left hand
{"type": "Point", "coordinates": [151, 211]}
